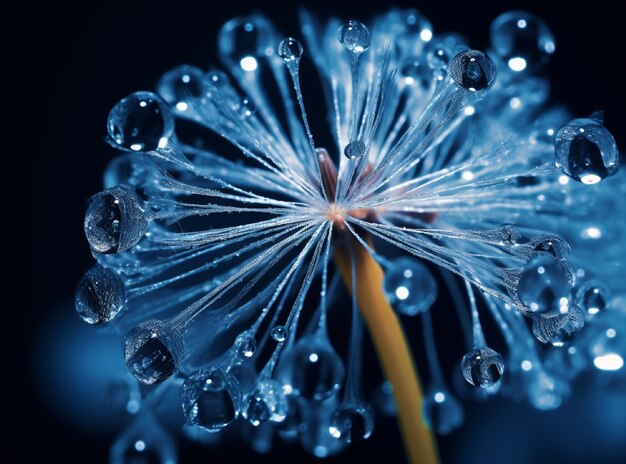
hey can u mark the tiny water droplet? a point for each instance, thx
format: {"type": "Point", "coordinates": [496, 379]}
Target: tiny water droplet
{"type": "Point", "coordinates": [482, 367]}
{"type": "Point", "coordinates": [442, 411]}
{"type": "Point", "coordinates": [279, 333]}
{"type": "Point", "coordinates": [592, 297]}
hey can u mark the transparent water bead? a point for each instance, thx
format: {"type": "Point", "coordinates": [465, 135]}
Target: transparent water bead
{"type": "Point", "coordinates": [544, 286]}
{"type": "Point", "coordinates": [354, 150]}
{"type": "Point", "coordinates": [100, 295]}
{"type": "Point", "coordinates": [290, 49]}
{"type": "Point", "coordinates": [312, 368]}
{"type": "Point", "coordinates": [411, 25]}
{"type": "Point", "coordinates": [245, 344]}
{"type": "Point", "coordinates": [279, 333]}
{"type": "Point", "coordinates": [153, 352]}
{"type": "Point", "coordinates": [142, 121]}
{"type": "Point", "coordinates": [592, 297]}
{"type": "Point", "coordinates": [180, 86]}
{"type": "Point", "coordinates": [482, 367]}
{"type": "Point", "coordinates": [115, 220]}
{"type": "Point", "coordinates": [521, 40]}
{"type": "Point", "coordinates": [354, 36]}
{"type": "Point", "coordinates": [352, 422]}
{"type": "Point", "coordinates": [442, 411]}
{"type": "Point", "coordinates": [409, 286]}
{"type": "Point", "coordinates": [607, 348]}
{"type": "Point", "coordinates": [586, 151]}
{"type": "Point", "coordinates": [244, 40]}
{"type": "Point", "coordinates": [267, 403]}
{"type": "Point", "coordinates": [560, 328]}
{"type": "Point", "coordinates": [472, 70]}
{"type": "Point", "coordinates": [211, 399]}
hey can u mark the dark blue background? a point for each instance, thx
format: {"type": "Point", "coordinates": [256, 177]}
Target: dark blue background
{"type": "Point", "coordinates": [71, 62]}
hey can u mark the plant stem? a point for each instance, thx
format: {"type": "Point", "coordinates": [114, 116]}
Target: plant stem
{"type": "Point", "coordinates": [392, 348]}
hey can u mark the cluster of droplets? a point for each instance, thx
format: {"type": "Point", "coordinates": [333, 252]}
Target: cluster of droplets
{"type": "Point", "coordinates": [280, 379]}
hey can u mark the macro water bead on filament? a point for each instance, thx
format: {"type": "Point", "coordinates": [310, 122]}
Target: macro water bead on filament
{"type": "Point", "coordinates": [449, 185]}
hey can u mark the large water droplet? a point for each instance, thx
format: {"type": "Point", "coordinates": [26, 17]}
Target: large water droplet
{"type": "Point", "coordinates": [244, 40]}
{"type": "Point", "coordinates": [266, 403]}
{"type": "Point", "coordinates": [561, 327]}
{"type": "Point", "coordinates": [142, 121]}
{"type": "Point", "coordinates": [592, 297]}
{"type": "Point", "coordinates": [290, 49]}
{"type": "Point", "coordinates": [100, 295]}
{"type": "Point", "coordinates": [211, 399]}
{"type": "Point", "coordinates": [416, 72]}
{"type": "Point", "coordinates": [472, 70]}
{"type": "Point", "coordinates": [521, 40]}
{"type": "Point", "coordinates": [354, 36]}
{"type": "Point", "coordinates": [544, 286]}
{"type": "Point", "coordinates": [410, 287]}
{"type": "Point", "coordinates": [586, 151]}
{"type": "Point", "coordinates": [180, 86]}
{"type": "Point", "coordinates": [312, 368]}
{"type": "Point", "coordinates": [115, 220]}
{"type": "Point", "coordinates": [482, 367]}
{"type": "Point", "coordinates": [152, 352]}
{"type": "Point", "coordinates": [352, 422]}
{"type": "Point", "coordinates": [442, 411]}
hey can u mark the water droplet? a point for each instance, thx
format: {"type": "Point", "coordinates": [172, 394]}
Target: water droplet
{"type": "Point", "coordinates": [211, 399]}
{"type": "Point", "coordinates": [442, 411]}
{"type": "Point", "coordinates": [352, 422]}
{"type": "Point", "coordinates": [354, 150]}
{"type": "Point", "coordinates": [145, 441]}
{"type": "Point", "coordinates": [354, 36]}
{"type": "Point", "coordinates": [245, 345]}
{"type": "Point", "coordinates": [114, 220]}
{"type": "Point", "coordinates": [521, 40]}
{"type": "Point", "coordinates": [482, 367]}
{"type": "Point", "coordinates": [592, 297]}
{"type": "Point", "coordinates": [153, 352]}
{"type": "Point", "coordinates": [543, 285]}
{"type": "Point", "coordinates": [100, 295]}
{"type": "Point", "coordinates": [290, 49]}
{"type": "Point", "coordinates": [267, 403]}
{"type": "Point", "coordinates": [312, 368]}
{"type": "Point", "coordinates": [313, 432]}
{"type": "Point", "coordinates": [561, 327]}
{"type": "Point", "coordinates": [409, 286]}
{"type": "Point", "coordinates": [586, 151]}
{"type": "Point", "coordinates": [412, 25]}
{"type": "Point", "coordinates": [217, 78]}
{"type": "Point", "coordinates": [142, 121]}
{"type": "Point", "coordinates": [244, 40]}
{"type": "Point", "coordinates": [279, 333]}
{"type": "Point", "coordinates": [472, 70]}
{"type": "Point", "coordinates": [180, 86]}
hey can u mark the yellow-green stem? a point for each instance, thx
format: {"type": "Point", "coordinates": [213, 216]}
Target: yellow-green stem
{"type": "Point", "coordinates": [392, 348]}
